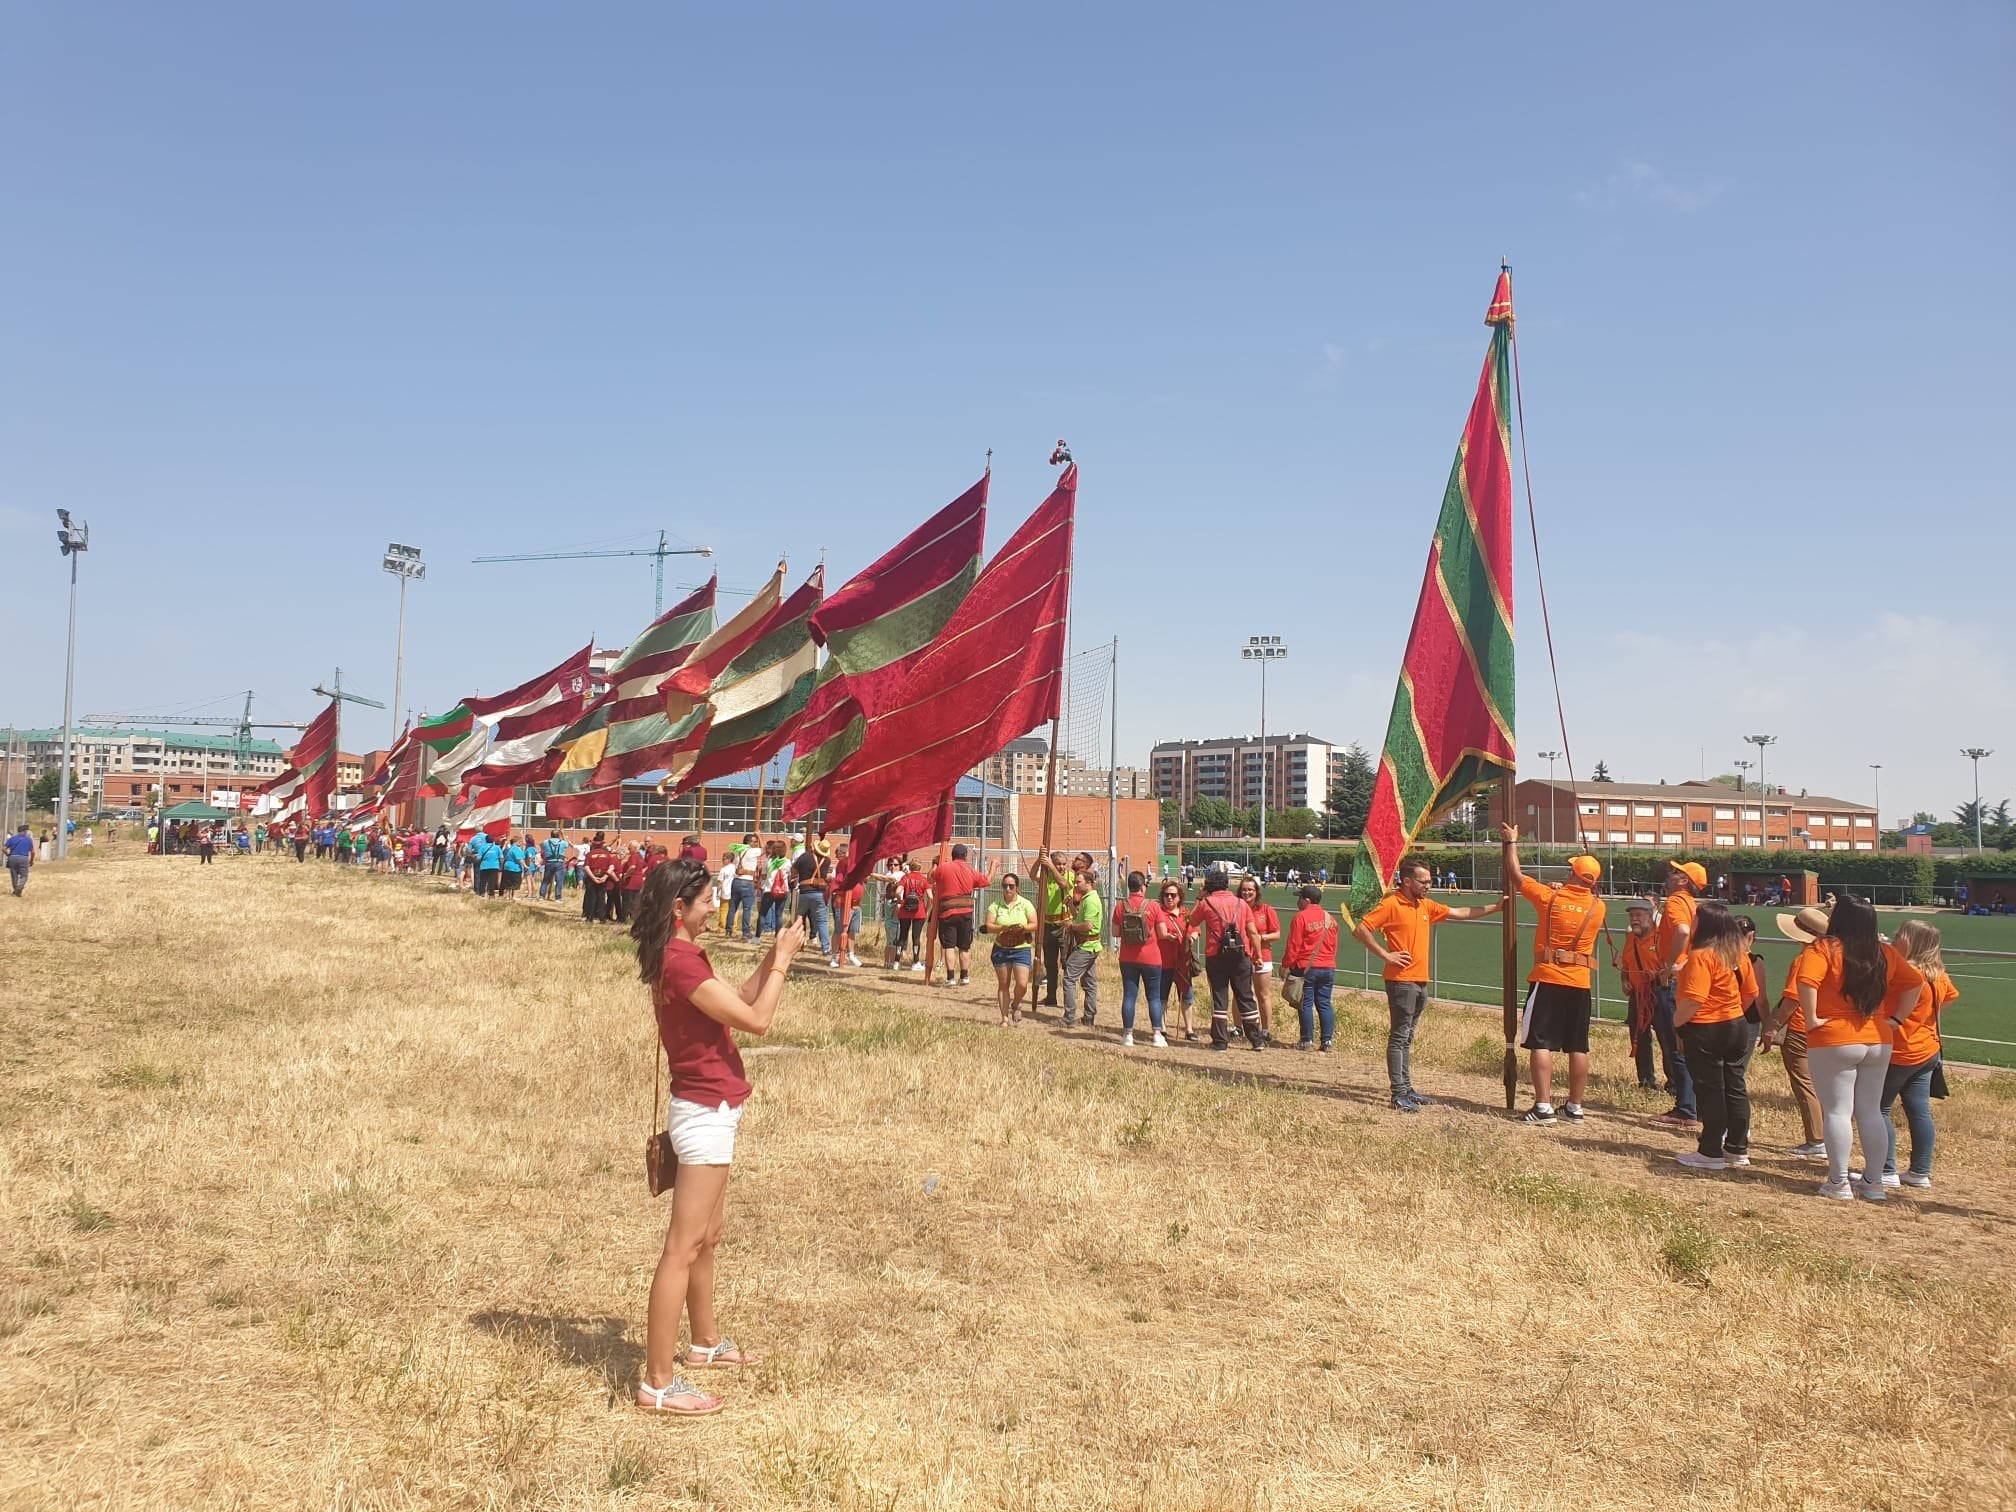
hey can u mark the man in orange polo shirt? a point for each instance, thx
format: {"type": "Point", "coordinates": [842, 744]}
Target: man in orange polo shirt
{"type": "Point", "coordinates": [1395, 929]}
{"type": "Point", "coordinates": [1685, 882]}
{"type": "Point", "coordinates": [1558, 999]}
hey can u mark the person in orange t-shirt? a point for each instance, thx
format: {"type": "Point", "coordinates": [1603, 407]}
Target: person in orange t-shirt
{"type": "Point", "coordinates": [1685, 882]}
{"type": "Point", "coordinates": [1787, 1028]}
{"type": "Point", "coordinates": [1854, 990]}
{"type": "Point", "coordinates": [1559, 1004]}
{"type": "Point", "coordinates": [1395, 929]}
{"type": "Point", "coordinates": [1915, 1073]}
{"type": "Point", "coordinates": [1638, 964]}
{"type": "Point", "coordinates": [1715, 984]}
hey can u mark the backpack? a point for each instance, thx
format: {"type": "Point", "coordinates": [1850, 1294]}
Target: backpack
{"type": "Point", "coordinates": [1206, 944]}
{"type": "Point", "coordinates": [1135, 926]}
{"type": "Point", "coordinates": [780, 881]}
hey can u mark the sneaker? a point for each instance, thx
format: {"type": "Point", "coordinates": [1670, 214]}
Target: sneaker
{"type": "Point", "coordinates": [1837, 1191]}
{"type": "Point", "coordinates": [1305, 1045]}
{"type": "Point", "coordinates": [1869, 1191]}
{"type": "Point", "coordinates": [1539, 1113]}
{"type": "Point", "coordinates": [1891, 1179]}
{"type": "Point", "coordinates": [1420, 1099]}
{"type": "Point", "coordinates": [964, 979]}
{"type": "Point", "coordinates": [1088, 1021]}
{"type": "Point", "coordinates": [917, 966]}
{"type": "Point", "coordinates": [853, 959]}
{"type": "Point", "coordinates": [1694, 1160]}
{"type": "Point", "coordinates": [833, 961]}
{"type": "Point", "coordinates": [1161, 1043]}
{"type": "Point", "coordinates": [1127, 1040]}
{"type": "Point", "coordinates": [1325, 1046]}
{"type": "Point", "coordinates": [1814, 1151]}
{"type": "Point", "coordinates": [1217, 1045]}
{"type": "Point", "coordinates": [1190, 1036]}
{"type": "Point", "coordinates": [1068, 1021]}
{"type": "Point", "coordinates": [1737, 1160]}
{"type": "Point", "coordinates": [1572, 1112]}
{"type": "Point", "coordinates": [1404, 1104]}
{"type": "Point", "coordinates": [1913, 1179]}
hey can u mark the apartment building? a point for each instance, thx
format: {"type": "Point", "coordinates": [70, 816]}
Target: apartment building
{"type": "Point", "coordinates": [154, 754]}
{"type": "Point", "coordinates": [1298, 769]}
{"type": "Point", "coordinates": [1023, 766]}
{"type": "Point", "coordinates": [1688, 816]}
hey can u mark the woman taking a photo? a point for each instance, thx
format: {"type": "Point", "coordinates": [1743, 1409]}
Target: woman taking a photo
{"type": "Point", "coordinates": [695, 1010]}
{"type": "Point", "coordinates": [1914, 1057]}
{"type": "Point", "coordinates": [1011, 921]}
{"type": "Point", "coordinates": [1715, 984]}
{"type": "Point", "coordinates": [1176, 973]}
{"type": "Point", "coordinates": [1853, 989]}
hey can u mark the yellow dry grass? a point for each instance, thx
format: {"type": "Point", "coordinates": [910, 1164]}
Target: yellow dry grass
{"type": "Point", "coordinates": [324, 1190]}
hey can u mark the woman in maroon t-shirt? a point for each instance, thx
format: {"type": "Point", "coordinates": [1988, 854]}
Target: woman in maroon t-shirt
{"type": "Point", "coordinates": [695, 1011]}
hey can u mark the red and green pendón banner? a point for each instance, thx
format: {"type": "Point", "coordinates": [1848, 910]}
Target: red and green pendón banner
{"type": "Point", "coordinates": [1451, 730]}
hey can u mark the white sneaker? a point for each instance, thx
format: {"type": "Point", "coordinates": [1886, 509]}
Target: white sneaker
{"type": "Point", "coordinates": [833, 961]}
{"type": "Point", "coordinates": [1163, 1044]}
{"type": "Point", "coordinates": [1867, 1190]}
{"type": "Point", "coordinates": [1694, 1160]}
{"type": "Point", "coordinates": [1737, 1160]}
{"type": "Point", "coordinates": [1913, 1179]}
{"type": "Point", "coordinates": [1127, 1040]}
{"type": "Point", "coordinates": [1837, 1191]}
{"type": "Point", "coordinates": [917, 966]}
{"type": "Point", "coordinates": [1890, 1179]}
{"type": "Point", "coordinates": [1814, 1151]}
{"type": "Point", "coordinates": [853, 959]}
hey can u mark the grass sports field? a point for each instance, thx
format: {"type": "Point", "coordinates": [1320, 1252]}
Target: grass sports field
{"type": "Point", "coordinates": [1466, 967]}
{"type": "Point", "coordinates": [323, 1190]}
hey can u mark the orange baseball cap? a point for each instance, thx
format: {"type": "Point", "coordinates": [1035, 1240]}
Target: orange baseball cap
{"type": "Point", "coordinates": [1585, 868]}
{"type": "Point", "coordinates": [1693, 871]}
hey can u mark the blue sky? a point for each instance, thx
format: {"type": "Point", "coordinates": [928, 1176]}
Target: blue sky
{"type": "Point", "coordinates": [283, 283]}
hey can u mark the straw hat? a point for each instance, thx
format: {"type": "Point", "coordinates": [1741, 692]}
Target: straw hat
{"type": "Point", "coordinates": [1805, 926]}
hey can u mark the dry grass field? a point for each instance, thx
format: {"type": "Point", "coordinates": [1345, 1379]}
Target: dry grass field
{"type": "Point", "coordinates": [323, 1190]}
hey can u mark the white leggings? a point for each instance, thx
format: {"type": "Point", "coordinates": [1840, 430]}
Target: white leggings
{"type": "Point", "coordinates": [1849, 1079]}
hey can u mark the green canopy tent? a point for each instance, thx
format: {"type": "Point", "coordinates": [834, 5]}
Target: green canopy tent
{"type": "Point", "coordinates": [195, 808]}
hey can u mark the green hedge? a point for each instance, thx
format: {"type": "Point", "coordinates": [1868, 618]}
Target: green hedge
{"type": "Point", "coordinates": [1628, 870]}
{"type": "Point", "coordinates": [1948, 870]}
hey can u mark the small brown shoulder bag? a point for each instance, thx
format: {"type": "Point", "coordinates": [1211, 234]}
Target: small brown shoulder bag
{"type": "Point", "coordinates": [661, 1162]}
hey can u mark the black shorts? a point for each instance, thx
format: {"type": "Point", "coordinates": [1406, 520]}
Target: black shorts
{"type": "Point", "coordinates": [1557, 1018]}
{"type": "Point", "coordinates": [955, 932]}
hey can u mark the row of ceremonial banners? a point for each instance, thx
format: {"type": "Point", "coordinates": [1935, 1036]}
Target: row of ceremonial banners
{"type": "Point", "coordinates": [926, 663]}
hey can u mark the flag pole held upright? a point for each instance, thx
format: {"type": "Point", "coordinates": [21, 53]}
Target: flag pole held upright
{"type": "Point", "coordinates": [1508, 934]}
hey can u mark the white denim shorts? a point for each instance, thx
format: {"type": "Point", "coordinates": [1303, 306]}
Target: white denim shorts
{"type": "Point", "coordinates": [702, 1136]}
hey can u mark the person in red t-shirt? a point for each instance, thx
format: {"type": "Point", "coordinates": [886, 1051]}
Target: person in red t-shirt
{"type": "Point", "coordinates": [955, 883]}
{"type": "Point", "coordinates": [695, 1011]}
{"type": "Point", "coordinates": [1176, 972]}
{"type": "Point", "coordinates": [913, 911]}
{"type": "Point", "coordinates": [1312, 955]}
{"type": "Point", "coordinates": [598, 881]}
{"type": "Point", "coordinates": [630, 881]}
{"type": "Point", "coordinates": [1141, 927]}
{"type": "Point", "coordinates": [846, 903]}
{"type": "Point", "coordinates": [1267, 927]}
{"type": "Point", "coordinates": [1231, 945]}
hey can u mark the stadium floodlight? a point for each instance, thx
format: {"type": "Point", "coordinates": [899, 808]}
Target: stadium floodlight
{"type": "Point", "coordinates": [404, 563]}
{"type": "Point", "coordinates": [74, 537]}
{"type": "Point", "coordinates": [1763, 791]}
{"type": "Point", "coordinates": [1974, 754]}
{"type": "Point", "coordinates": [1263, 649]}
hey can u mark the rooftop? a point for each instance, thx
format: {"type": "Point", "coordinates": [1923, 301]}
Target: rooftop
{"type": "Point", "coordinates": [1300, 738]}
{"type": "Point", "coordinates": [1697, 792]}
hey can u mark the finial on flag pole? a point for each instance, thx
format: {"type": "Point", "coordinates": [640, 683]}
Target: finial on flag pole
{"type": "Point", "coordinates": [1061, 457]}
{"type": "Point", "coordinates": [990, 461]}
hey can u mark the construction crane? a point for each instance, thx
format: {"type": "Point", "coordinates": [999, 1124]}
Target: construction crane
{"type": "Point", "coordinates": [337, 696]}
{"type": "Point", "coordinates": [658, 554]}
{"type": "Point", "coordinates": [242, 727]}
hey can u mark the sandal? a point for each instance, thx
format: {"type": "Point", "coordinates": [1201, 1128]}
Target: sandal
{"type": "Point", "coordinates": [679, 1399]}
{"type": "Point", "coordinates": [723, 1356]}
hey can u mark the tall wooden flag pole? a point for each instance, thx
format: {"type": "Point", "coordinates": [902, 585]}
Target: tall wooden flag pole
{"type": "Point", "coordinates": [1508, 934]}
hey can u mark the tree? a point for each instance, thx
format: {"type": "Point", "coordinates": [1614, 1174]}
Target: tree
{"type": "Point", "coordinates": [1602, 772]}
{"type": "Point", "coordinates": [1350, 796]}
{"type": "Point", "coordinates": [1923, 816]}
{"type": "Point", "coordinates": [1210, 814]}
{"type": "Point", "coordinates": [1172, 815]}
{"type": "Point", "coordinates": [44, 790]}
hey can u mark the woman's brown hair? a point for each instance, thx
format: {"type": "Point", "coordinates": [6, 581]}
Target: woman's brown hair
{"type": "Point", "coordinates": [1717, 932]}
{"type": "Point", "coordinates": [666, 892]}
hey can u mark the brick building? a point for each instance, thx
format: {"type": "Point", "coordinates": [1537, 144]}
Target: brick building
{"type": "Point", "coordinates": [1687, 816]}
{"type": "Point", "coordinates": [163, 756]}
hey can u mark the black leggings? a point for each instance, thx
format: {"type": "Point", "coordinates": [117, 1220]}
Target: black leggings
{"type": "Point", "coordinates": [910, 935]}
{"type": "Point", "coordinates": [1718, 1059]}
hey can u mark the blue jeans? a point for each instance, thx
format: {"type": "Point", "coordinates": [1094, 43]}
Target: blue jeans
{"type": "Point", "coordinates": [554, 877]}
{"type": "Point", "coordinates": [812, 905]}
{"type": "Point", "coordinates": [741, 899]}
{"type": "Point", "coordinates": [1138, 977]}
{"type": "Point", "coordinates": [1317, 983]}
{"type": "Point", "coordinates": [1914, 1085]}
{"type": "Point", "coordinates": [1678, 1077]}
{"type": "Point", "coordinates": [770, 920]}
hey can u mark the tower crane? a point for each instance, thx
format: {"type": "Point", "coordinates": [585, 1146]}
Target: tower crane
{"type": "Point", "coordinates": [658, 554]}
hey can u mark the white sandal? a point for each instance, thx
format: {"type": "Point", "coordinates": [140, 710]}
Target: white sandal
{"type": "Point", "coordinates": [710, 1356]}
{"type": "Point", "coordinates": [660, 1399]}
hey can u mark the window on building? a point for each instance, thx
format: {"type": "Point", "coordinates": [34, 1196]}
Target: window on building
{"type": "Point", "coordinates": [1619, 808]}
{"type": "Point", "coordinates": [1588, 808]}
{"type": "Point", "coordinates": [1698, 827]}
{"type": "Point", "coordinates": [1637, 839]}
{"type": "Point", "coordinates": [1619, 837]}
{"type": "Point", "coordinates": [1669, 812]}
{"type": "Point", "coordinates": [1725, 839]}
{"type": "Point", "coordinates": [1860, 823]}
{"type": "Point", "coordinates": [1722, 813]}
{"type": "Point", "coordinates": [1865, 845]}
{"type": "Point", "coordinates": [1645, 809]}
